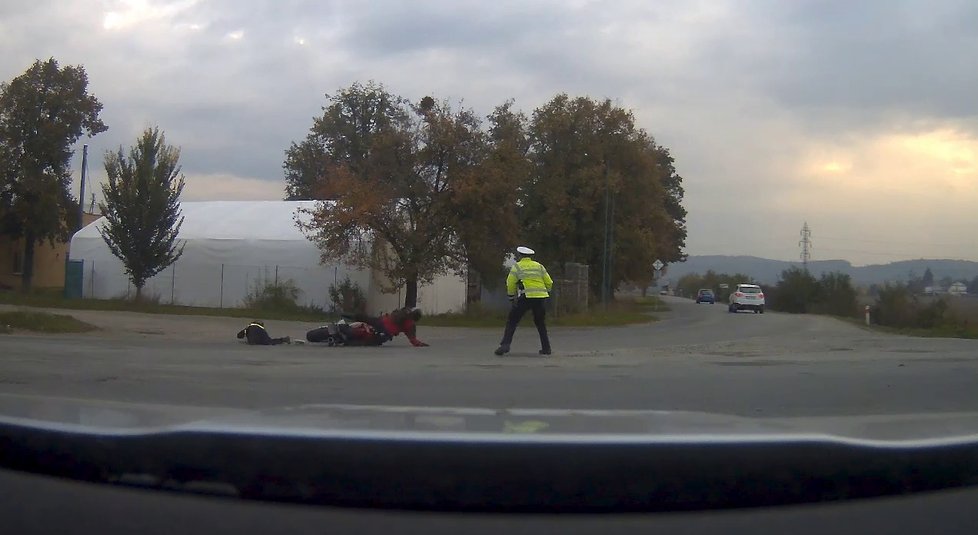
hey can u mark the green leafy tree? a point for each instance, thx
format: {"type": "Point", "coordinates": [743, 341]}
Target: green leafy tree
{"type": "Point", "coordinates": [489, 201]}
{"type": "Point", "coordinates": [689, 284]}
{"type": "Point", "coordinates": [836, 295]}
{"type": "Point", "coordinates": [410, 190]}
{"type": "Point", "coordinates": [43, 112]}
{"type": "Point", "coordinates": [797, 291]}
{"type": "Point", "coordinates": [672, 246]}
{"type": "Point", "coordinates": [917, 285]}
{"type": "Point", "coordinates": [348, 139]}
{"type": "Point", "coordinates": [894, 306]}
{"type": "Point", "coordinates": [593, 170]}
{"type": "Point", "coordinates": [928, 278]}
{"type": "Point", "coordinates": [142, 206]}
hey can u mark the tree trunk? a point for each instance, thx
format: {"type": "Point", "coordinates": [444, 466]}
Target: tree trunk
{"type": "Point", "coordinates": [27, 270]}
{"type": "Point", "coordinates": [645, 290]}
{"type": "Point", "coordinates": [139, 292]}
{"type": "Point", "coordinates": [411, 292]}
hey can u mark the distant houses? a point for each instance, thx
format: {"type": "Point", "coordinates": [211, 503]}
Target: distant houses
{"type": "Point", "coordinates": [957, 288]}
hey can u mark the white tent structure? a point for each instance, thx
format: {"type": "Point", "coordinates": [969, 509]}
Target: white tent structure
{"type": "Point", "coordinates": [233, 247]}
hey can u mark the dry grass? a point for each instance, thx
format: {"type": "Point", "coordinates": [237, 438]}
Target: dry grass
{"type": "Point", "coordinates": [42, 322]}
{"type": "Point", "coordinates": [965, 308]}
{"type": "Point", "coordinates": [961, 318]}
{"type": "Point", "coordinates": [45, 299]}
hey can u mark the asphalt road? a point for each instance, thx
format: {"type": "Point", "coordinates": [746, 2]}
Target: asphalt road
{"type": "Point", "coordinates": [697, 358]}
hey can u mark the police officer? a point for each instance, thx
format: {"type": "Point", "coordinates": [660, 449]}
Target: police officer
{"type": "Point", "coordinates": [528, 287]}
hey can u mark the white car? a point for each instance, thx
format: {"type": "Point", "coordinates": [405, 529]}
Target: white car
{"type": "Point", "coordinates": [747, 297]}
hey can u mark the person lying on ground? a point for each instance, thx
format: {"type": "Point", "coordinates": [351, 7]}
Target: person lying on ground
{"type": "Point", "coordinates": [257, 335]}
{"type": "Point", "coordinates": [403, 320]}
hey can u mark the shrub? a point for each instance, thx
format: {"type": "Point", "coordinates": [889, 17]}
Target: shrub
{"type": "Point", "coordinates": [313, 308]}
{"type": "Point", "coordinates": [796, 292]}
{"type": "Point", "coordinates": [281, 295]}
{"type": "Point", "coordinates": [799, 292]}
{"type": "Point", "coordinates": [894, 306]}
{"type": "Point", "coordinates": [933, 315]}
{"type": "Point", "coordinates": [347, 297]}
{"type": "Point", "coordinates": [835, 295]}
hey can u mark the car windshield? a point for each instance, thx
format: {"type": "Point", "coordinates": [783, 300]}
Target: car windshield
{"type": "Point", "coordinates": [264, 218]}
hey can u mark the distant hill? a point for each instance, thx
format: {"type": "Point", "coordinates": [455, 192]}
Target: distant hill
{"type": "Point", "coordinates": [767, 271]}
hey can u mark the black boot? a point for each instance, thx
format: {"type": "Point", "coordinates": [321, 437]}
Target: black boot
{"type": "Point", "coordinates": [502, 350]}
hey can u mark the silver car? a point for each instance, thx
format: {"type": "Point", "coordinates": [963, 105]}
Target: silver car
{"type": "Point", "coordinates": [747, 297]}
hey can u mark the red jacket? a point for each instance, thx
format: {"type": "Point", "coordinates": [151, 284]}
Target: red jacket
{"type": "Point", "coordinates": [408, 327]}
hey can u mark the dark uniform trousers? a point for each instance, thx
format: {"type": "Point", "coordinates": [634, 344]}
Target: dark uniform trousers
{"type": "Point", "coordinates": [520, 307]}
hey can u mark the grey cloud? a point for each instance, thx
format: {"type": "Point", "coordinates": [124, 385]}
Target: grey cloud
{"type": "Point", "coordinates": [393, 28]}
{"type": "Point", "coordinates": [724, 84]}
{"type": "Point", "coordinates": [872, 59]}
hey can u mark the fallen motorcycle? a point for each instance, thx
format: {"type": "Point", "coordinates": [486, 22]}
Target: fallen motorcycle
{"type": "Point", "coordinates": [341, 333]}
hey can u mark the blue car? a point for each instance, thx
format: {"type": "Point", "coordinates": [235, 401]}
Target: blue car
{"type": "Point", "coordinates": [706, 296]}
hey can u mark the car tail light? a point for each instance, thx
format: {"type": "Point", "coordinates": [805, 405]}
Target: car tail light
{"type": "Point", "coordinates": [760, 296]}
{"type": "Point", "coordinates": [739, 294]}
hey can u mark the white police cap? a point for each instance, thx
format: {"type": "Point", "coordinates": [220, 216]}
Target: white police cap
{"type": "Point", "coordinates": [524, 250]}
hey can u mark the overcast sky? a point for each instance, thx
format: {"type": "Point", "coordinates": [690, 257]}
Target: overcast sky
{"type": "Point", "coordinates": [858, 116]}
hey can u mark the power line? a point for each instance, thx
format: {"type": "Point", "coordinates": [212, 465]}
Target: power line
{"type": "Point", "coordinates": [899, 242]}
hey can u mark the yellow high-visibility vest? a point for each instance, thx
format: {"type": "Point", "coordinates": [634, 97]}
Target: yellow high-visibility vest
{"type": "Point", "coordinates": [536, 281]}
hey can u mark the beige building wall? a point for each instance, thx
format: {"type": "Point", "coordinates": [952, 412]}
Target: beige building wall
{"type": "Point", "coordinates": [49, 261]}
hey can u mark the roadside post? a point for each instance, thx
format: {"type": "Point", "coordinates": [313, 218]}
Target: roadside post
{"type": "Point", "coordinates": [657, 266]}
{"type": "Point", "coordinates": [867, 315]}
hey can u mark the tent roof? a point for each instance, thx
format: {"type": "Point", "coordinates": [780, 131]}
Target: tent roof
{"type": "Point", "coordinates": [232, 220]}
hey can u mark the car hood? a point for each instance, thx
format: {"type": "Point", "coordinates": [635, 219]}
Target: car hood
{"type": "Point", "coordinates": [466, 424]}
{"type": "Point", "coordinates": [484, 459]}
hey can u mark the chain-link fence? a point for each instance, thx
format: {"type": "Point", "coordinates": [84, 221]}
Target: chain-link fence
{"type": "Point", "coordinates": [570, 293]}
{"type": "Point", "coordinates": [217, 285]}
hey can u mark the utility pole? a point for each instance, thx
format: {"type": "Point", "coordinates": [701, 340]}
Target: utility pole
{"type": "Point", "coordinates": [806, 245]}
{"type": "Point", "coordinates": [611, 249]}
{"type": "Point", "coordinates": [605, 263]}
{"type": "Point", "coordinates": [81, 192]}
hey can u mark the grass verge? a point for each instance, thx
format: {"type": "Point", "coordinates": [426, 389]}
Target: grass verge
{"type": "Point", "coordinates": [625, 311]}
{"type": "Point", "coordinates": [45, 299]}
{"type": "Point", "coordinates": [652, 303]}
{"type": "Point", "coordinates": [42, 322]}
{"type": "Point", "coordinates": [944, 331]}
